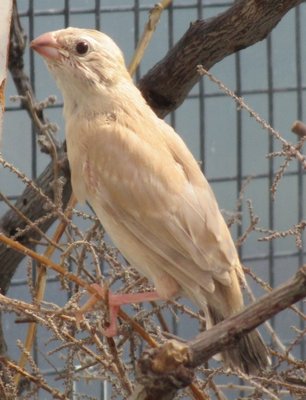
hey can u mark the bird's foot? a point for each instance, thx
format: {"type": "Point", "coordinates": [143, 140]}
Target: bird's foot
{"type": "Point", "coordinates": [114, 302]}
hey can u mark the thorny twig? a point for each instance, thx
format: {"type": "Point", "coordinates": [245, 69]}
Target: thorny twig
{"type": "Point", "coordinates": [296, 231]}
{"type": "Point", "coordinates": [288, 149]}
{"type": "Point", "coordinates": [289, 152]}
{"type": "Point", "coordinates": [154, 16]}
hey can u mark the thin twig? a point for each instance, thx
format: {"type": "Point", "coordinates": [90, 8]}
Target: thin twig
{"type": "Point", "coordinates": [154, 16]}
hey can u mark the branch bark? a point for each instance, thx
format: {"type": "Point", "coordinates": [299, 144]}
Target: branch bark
{"type": "Point", "coordinates": [247, 22]}
{"type": "Point", "coordinates": [31, 205]}
{"type": "Point", "coordinates": [165, 370]}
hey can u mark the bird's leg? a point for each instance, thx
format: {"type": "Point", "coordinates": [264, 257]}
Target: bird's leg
{"type": "Point", "coordinates": [114, 302]}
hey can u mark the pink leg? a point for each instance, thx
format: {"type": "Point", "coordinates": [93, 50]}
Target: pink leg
{"type": "Point", "coordinates": [115, 301]}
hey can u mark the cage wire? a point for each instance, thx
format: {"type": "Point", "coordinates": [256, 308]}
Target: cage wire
{"type": "Point", "coordinates": [232, 147]}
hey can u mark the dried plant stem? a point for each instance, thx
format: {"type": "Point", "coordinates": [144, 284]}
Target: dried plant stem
{"type": "Point", "coordinates": [30, 224]}
{"type": "Point", "coordinates": [154, 16]}
{"type": "Point", "coordinates": [197, 393]}
{"type": "Point", "coordinates": [54, 393]}
{"type": "Point", "coordinates": [45, 261]}
{"type": "Point", "coordinates": [258, 386]}
{"type": "Point", "coordinates": [41, 285]}
{"type": "Point", "coordinates": [120, 366]}
{"type": "Point", "coordinates": [268, 325]}
{"type": "Point", "coordinates": [30, 183]}
{"type": "Point", "coordinates": [73, 278]}
{"type": "Point", "coordinates": [289, 148]}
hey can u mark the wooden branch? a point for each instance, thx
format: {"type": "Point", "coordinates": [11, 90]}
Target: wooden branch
{"type": "Point", "coordinates": [149, 29]}
{"type": "Point", "coordinates": [245, 23]}
{"type": "Point", "coordinates": [18, 44]}
{"type": "Point", "coordinates": [164, 370]}
{"type": "Point", "coordinates": [31, 205]}
{"type": "Point", "coordinates": [228, 332]}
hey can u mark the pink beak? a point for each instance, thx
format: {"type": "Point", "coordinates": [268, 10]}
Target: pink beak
{"type": "Point", "coordinates": [47, 46]}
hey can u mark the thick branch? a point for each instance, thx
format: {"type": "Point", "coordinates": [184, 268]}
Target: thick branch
{"type": "Point", "coordinates": [161, 375]}
{"type": "Point", "coordinates": [16, 62]}
{"type": "Point", "coordinates": [31, 205]}
{"type": "Point", "coordinates": [228, 332]}
{"type": "Point", "coordinates": [247, 22]}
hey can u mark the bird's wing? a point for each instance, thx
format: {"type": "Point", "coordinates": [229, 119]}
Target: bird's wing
{"type": "Point", "coordinates": [161, 198]}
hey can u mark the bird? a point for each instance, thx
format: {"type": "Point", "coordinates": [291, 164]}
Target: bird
{"type": "Point", "coordinates": [145, 186]}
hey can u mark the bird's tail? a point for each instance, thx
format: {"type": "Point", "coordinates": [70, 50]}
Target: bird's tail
{"type": "Point", "coordinates": [250, 354]}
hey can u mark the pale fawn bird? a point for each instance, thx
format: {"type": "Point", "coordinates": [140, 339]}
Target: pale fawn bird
{"type": "Point", "coordinates": [144, 184]}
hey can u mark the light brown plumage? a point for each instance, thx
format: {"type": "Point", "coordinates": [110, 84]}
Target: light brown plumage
{"type": "Point", "coordinates": [144, 184]}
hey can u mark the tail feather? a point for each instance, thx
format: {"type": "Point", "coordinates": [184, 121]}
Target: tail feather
{"type": "Point", "coordinates": [250, 355]}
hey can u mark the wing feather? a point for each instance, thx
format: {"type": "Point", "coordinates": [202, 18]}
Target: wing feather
{"type": "Point", "coordinates": [163, 212]}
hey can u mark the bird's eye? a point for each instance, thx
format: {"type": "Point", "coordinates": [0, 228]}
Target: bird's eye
{"type": "Point", "coordinates": [82, 47]}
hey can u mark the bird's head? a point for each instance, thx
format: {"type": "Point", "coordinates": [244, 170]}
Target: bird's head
{"type": "Point", "coordinates": [81, 59]}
